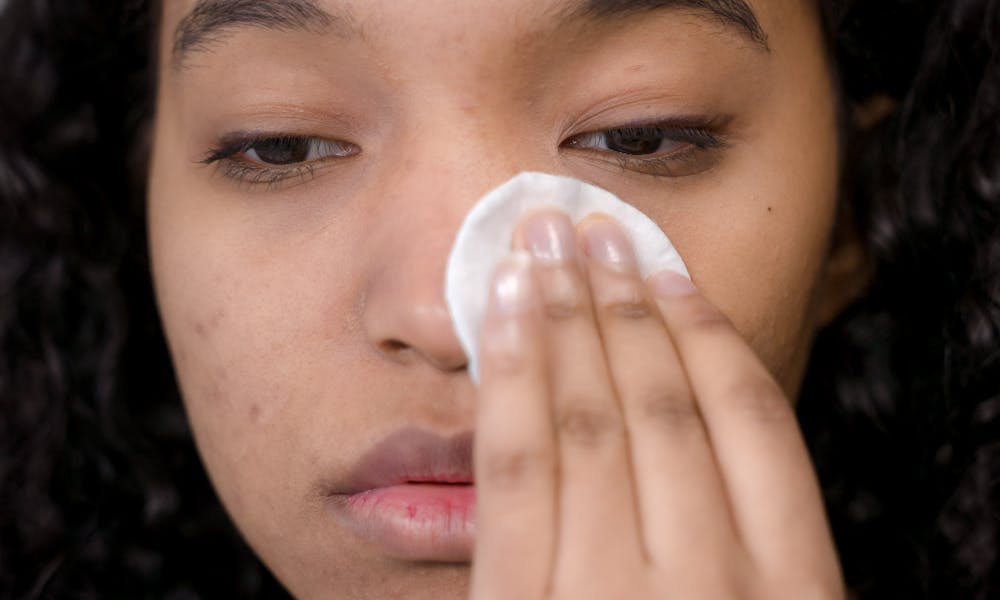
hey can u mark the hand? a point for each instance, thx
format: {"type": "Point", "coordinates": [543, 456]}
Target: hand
{"type": "Point", "coordinates": [629, 443]}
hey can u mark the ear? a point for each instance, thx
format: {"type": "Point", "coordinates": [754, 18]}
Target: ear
{"type": "Point", "coordinates": [872, 111]}
{"type": "Point", "coordinates": [848, 271]}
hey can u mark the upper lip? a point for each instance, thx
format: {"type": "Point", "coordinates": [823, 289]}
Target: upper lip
{"type": "Point", "coordinates": [410, 455]}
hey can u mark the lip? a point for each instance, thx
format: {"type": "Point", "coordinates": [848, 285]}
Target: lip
{"type": "Point", "coordinates": [412, 496]}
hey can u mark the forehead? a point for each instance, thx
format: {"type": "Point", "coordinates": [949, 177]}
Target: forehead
{"type": "Point", "coordinates": [196, 25]}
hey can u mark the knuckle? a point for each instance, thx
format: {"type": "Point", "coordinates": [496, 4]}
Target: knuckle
{"type": "Point", "coordinates": [668, 409]}
{"type": "Point", "coordinates": [627, 308]}
{"type": "Point", "coordinates": [562, 294]}
{"type": "Point", "coordinates": [761, 399]}
{"type": "Point", "coordinates": [622, 299]}
{"type": "Point", "coordinates": [512, 466]}
{"type": "Point", "coordinates": [563, 308]}
{"type": "Point", "coordinates": [703, 317]}
{"type": "Point", "coordinates": [588, 427]}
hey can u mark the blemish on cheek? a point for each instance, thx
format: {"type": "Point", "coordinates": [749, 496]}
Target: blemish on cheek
{"type": "Point", "coordinates": [770, 209]}
{"type": "Point", "coordinates": [212, 392]}
{"type": "Point", "coordinates": [255, 412]}
{"type": "Point", "coordinates": [204, 327]}
{"type": "Point", "coordinates": [213, 386]}
{"type": "Point", "coordinates": [219, 381]}
{"type": "Point", "coordinates": [636, 68]}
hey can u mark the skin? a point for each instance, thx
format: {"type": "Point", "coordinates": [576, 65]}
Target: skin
{"type": "Point", "coordinates": [306, 317]}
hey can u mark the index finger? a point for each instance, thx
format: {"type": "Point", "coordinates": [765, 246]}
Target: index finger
{"type": "Point", "coordinates": [515, 454]}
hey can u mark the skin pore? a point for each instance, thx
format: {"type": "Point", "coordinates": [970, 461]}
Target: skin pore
{"type": "Point", "coordinates": [303, 302]}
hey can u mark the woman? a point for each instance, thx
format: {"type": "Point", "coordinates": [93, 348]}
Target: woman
{"type": "Point", "coordinates": [302, 167]}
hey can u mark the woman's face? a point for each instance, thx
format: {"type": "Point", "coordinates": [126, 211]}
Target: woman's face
{"type": "Point", "coordinates": [313, 160]}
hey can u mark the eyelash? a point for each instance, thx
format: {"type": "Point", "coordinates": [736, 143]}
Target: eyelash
{"type": "Point", "coordinates": [700, 135]}
{"type": "Point", "coordinates": [228, 155]}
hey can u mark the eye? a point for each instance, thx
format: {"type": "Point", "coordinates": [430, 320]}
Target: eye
{"type": "Point", "coordinates": [668, 149]}
{"type": "Point", "coordinates": [284, 151]}
{"type": "Point", "coordinates": [634, 141]}
{"type": "Point", "coordinates": [270, 159]}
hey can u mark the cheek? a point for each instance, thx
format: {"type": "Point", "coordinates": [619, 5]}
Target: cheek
{"type": "Point", "coordinates": [756, 238]}
{"type": "Point", "coordinates": [766, 280]}
{"type": "Point", "coordinates": [762, 271]}
{"type": "Point", "coordinates": [230, 357]}
{"type": "Point", "coordinates": [264, 388]}
{"type": "Point", "coordinates": [253, 333]}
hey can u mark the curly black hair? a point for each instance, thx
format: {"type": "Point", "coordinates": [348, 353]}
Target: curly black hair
{"type": "Point", "coordinates": [101, 490]}
{"type": "Point", "coordinates": [901, 405]}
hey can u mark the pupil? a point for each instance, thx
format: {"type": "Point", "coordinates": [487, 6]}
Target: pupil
{"type": "Point", "coordinates": [633, 142]}
{"type": "Point", "coordinates": [283, 151]}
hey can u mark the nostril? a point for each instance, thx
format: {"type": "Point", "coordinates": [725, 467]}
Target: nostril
{"type": "Point", "coordinates": [407, 323]}
{"type": "Point", "coordinates": [396, 350]}
{"type": "Point", "coordinates": [402, 353]}
{"type": "Point", "coordinates": [393, 346]}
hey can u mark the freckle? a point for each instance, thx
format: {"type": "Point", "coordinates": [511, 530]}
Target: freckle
{"type": "Point", "coordinates": [769, 209]}
{"type": "Point", "coordinates": [255, 412]}
{"type": "Point", "coordinates": [199, 328]}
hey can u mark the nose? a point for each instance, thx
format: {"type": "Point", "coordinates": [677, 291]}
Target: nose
{"type": "Point", "coordinates": [405, 316]}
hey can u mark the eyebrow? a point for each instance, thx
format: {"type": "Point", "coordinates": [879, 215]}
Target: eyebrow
{"type": "Point", "coordinates": [209, 20]}
{"type": "Point", "coordinates": [733, 13]}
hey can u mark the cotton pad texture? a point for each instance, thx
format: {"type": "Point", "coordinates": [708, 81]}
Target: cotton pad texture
{"type": "Point", "coordinates": [485, 237]}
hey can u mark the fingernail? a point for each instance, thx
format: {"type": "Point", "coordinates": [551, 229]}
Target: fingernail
{"type": "Point", "coordinates": [512, 284]}
{"type": "Point", "coordinates": [669, 283]}
{"type": "Point", "coordinates": [549, 237]}
{"type": "Point", "coordinates": [605, 241]}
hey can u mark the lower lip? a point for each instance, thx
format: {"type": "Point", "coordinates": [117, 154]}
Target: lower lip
{"type": "Point", "coordinates": [415, 521]}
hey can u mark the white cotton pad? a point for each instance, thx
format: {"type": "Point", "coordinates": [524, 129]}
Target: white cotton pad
{"type": "Point", "coordinates": [484, 239]}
